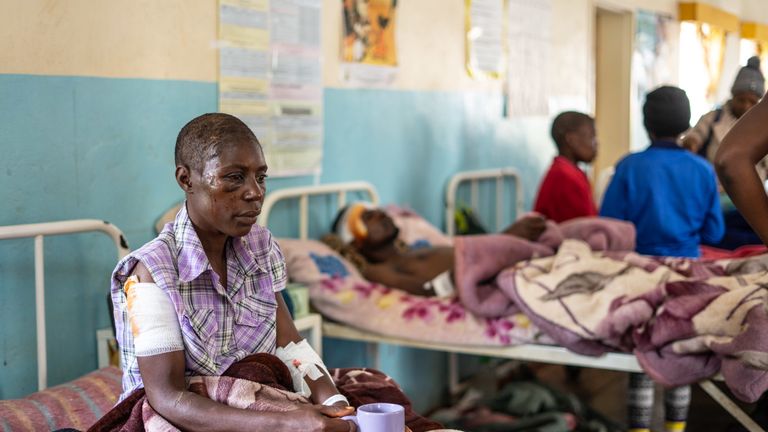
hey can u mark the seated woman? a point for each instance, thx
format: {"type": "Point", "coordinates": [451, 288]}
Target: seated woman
{"type": "Point", "coordinates": [204, 294]}
{"type": "Point", "coordinates": [369, 237]}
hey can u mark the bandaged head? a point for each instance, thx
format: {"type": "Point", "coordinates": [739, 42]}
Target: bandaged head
{"type": "Point", "coordinates": [349, 224]}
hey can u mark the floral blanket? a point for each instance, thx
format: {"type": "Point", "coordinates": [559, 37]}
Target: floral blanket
{"type": "Point", "coordinates": [684, 319]}
{"type": "Point", "coordinates": [391, 312]}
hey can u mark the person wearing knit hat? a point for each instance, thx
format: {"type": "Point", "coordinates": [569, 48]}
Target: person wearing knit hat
{"type": "Point", "coordinates": [705, 137]}
{"type": "Point", "coordinates": [671, 196]}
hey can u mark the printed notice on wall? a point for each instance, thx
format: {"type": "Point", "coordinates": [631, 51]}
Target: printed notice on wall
{"type": "Point", "coordinates": [529, 38]}
{"type": "Point", "coordinates": [270, 76]}
{"type": "Point", "coordinates": [654, 63]}
{"type": "Point", "coordinates": [485, 38]}
{"type": "Point", "coordinates": [368, 51]}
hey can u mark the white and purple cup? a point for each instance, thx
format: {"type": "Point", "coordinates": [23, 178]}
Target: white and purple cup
{"type": "Point", "coordinates": [379, 417]}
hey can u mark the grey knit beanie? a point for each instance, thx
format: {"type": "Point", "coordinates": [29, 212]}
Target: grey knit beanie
{"type": "Point", "coordinates": [750, 78]}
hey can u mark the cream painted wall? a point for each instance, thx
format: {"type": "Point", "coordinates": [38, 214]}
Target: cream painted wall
{"type": "Point", "coordinates": [169, 39]}
{"type": "Point", "coordinates": [572, 71]}
{"type": "Point", "coordinates": [175, 39]}
{"type": "Point", "coordinates": [662, 6]}
{"type": "Point", "coordinates": [755, 10]}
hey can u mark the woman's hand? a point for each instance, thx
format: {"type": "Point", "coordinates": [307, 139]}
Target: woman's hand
{"type": "Point", "coordinates": [320, 418]}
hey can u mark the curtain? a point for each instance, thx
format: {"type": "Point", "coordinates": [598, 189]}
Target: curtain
{"type": "Point", "coordinates": [762, 52]}
{"type": "Point", "coordinates": [712, 40]}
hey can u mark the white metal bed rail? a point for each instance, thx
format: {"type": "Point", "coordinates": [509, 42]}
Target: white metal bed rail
{"type": "Point", "coordinates": [38, 231]}
{"type": "Point", "coordinates": [474, 178]}
{"type": "Point", "coordinates": [302, 193]}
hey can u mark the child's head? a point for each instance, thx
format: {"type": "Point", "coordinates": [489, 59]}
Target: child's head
{"type": "Point", "coordinates": [222, 170]}
{"type": "Point", "coordinates": [575, 136]}
{"type": "Point", "coordinates": [666, 113]}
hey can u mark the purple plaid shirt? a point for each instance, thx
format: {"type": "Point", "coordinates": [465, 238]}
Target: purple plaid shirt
{"type": "Point", "coordinates": [219, 325]}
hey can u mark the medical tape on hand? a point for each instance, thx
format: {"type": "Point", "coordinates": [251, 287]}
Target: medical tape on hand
{"type": "Point", "coordinates": [442, 285]}
{"type": "Point", "coordinates": [302, 361]}
{"type": "Point", "coordinates": [153, 319]}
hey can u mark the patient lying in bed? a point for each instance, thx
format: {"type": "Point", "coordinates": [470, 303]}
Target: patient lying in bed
{"type": "Point", "coordinates": [370, 237]}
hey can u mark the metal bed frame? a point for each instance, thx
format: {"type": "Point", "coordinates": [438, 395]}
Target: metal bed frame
{"type": "Point", "coordinates": [527, 352]}
{"type": "Point", "coordinates": [38, 231]}
{"type": "Point", "coordinates": [474, 178]}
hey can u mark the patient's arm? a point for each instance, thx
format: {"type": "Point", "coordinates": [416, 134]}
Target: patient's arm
{"type": "Point", "coordinates": [323, 387]}
{"type": "Point", "coordinates": [163, 377]}
{"type": "Point", "coordinates": [745, 145]}
{"type": "Point", "coordinates": [528, 228]}
{"type": "Point", "coordinates": [386, 275]}
{"type": "Point", "coordinates": [692, 142]}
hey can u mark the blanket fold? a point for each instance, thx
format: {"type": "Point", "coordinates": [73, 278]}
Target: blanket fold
{"type": "Point", "coordinates": [479, 259]}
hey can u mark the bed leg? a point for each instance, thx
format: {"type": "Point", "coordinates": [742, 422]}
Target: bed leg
{"type": "Point", "coordinates": [372, 355]}
{"type": "Point", "coordinates": [454, 386]}
{"type": "Point", "coordinates": [733, 409]}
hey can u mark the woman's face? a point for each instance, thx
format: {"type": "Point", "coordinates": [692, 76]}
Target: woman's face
{"type": "Point", "coordinates": [226, 195]}
{"type": "Point", "coordinates": [742, 101]}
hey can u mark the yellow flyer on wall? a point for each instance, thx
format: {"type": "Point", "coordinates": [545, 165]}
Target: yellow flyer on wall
{"type": "Point", "coordinates": [368, 49]}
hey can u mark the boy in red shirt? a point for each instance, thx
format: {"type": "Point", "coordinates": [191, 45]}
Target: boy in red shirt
{"type": "Point", "coordinates": [565, 192]}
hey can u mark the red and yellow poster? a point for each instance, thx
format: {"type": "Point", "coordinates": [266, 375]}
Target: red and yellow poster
{"type": "Point", "coordinates": [369, 32]}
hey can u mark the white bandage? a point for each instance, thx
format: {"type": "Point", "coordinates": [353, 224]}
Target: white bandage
{"type": "Point", "coordinates": [302, 361]}
{"type": "Point", "coordinates": [442, 285]}
{"type": "Point", "coordinates": [153, 319]}
{"type": "Point", "coordinates": [335, 398]}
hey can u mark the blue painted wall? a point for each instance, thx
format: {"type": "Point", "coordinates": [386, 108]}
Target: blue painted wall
{"type": "Point", "coordinates": [75, 147]}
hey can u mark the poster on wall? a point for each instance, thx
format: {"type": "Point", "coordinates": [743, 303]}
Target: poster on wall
{"type": "Point", "coordinates": [270, 76]}
{"type": "Point", "coordinates": [654, 63]}
{"type": "Point", "coordinates": [485, 38]}
{"type": "Point", "coordinates": [368, 50]}
{"type": "Point", "coordinates": [529, 37]}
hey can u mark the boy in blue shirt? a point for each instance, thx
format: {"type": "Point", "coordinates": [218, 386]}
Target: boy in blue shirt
{"type": "Point", "coordinates": [668, 193]}
{"type": "Point", "coordinates": [671, 196]}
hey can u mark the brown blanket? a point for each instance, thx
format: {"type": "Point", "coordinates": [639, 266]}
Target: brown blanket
{"type": "Point", "coordinates": [261, 382]}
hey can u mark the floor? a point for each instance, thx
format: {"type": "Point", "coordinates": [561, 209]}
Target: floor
{"type": "Point", "coordinates": [606, 392]}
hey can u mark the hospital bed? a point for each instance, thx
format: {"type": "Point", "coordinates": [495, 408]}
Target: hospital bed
{"type": "Point", "coordinates": [78, 403]}
{"type": "Point", "coordinates": [336, 195]}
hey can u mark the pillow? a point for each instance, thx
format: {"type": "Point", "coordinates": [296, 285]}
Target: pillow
{"type": "Point", "coordinates": [311, 261]}
{"type": "Point", "coordinates": [415, 231]}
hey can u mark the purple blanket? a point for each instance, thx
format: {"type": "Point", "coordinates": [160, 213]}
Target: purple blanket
{"type": "Point", "coordinates": [479, 259]}
{"type": "Point", "coordinates": [684, 319]}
